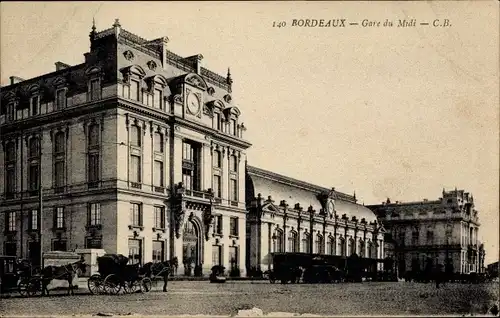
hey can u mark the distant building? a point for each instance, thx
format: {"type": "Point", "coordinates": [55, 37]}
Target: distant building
{"type": "Point", "coordinates": [443, 231]}
{"type": "Point", "coordinates": [138, 151]}
{"type": "Point", "coordinates": [492, 269]}
{"type": "Point", "coordinates": [289, 215]}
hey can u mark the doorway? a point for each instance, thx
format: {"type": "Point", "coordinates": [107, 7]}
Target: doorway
{"type": "Point", "coordinates": [34, 252]}
{"type": "Point", "coordinates": [190, 247]}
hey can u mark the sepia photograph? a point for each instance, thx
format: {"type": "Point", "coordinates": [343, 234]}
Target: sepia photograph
{"type": "Point", "coordinates": [249, 158]}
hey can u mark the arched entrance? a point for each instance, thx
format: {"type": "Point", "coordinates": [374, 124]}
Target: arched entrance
{"type": "Point", "coordinates": [191, 252]}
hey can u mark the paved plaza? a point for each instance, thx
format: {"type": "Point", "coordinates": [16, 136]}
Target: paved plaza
{"type": "Point", "coordinates": [203, 298]}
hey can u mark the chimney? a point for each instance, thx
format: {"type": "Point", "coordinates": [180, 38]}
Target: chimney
{"type": "Point", "coordinates": [61, 66]}
{"type": "Point", "coordinates": [15, 80]}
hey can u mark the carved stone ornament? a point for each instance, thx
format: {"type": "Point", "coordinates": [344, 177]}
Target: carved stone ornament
{"type": "Point", "coordinates": [208, 217]}
{"type": "Point", "coordinates": [128, 55]}
{"type": "Point", "coordinates": [228, 98]}
{"type": "Point", "coordinates": [179, 216]}
{"type": "Point", "coordinates": [211, 91]}
{"type": "Point", "coordinates": [152, 65]}
{"type": "Point", "coordinates": [196, 82]}
{"type": "Point", "coordinates": [179, 99]}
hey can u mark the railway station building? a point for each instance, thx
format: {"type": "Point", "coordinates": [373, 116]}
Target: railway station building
{"type": "Point", "coordinates": [136, 151]}
{"type": "Point", "coordinates": [289, 215]}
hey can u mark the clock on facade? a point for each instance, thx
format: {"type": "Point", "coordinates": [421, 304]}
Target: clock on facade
{"type": "Point", "coordinates": [193, 103]}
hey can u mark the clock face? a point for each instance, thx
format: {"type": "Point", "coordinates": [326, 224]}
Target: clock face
{"type": "Point", "coordinates": [193, 103]}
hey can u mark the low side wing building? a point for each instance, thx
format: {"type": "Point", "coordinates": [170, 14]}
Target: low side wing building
{"type": "Point", "coordinates": [288, 215]}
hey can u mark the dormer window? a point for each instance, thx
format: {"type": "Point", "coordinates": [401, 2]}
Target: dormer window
{"type": "Point", "coordinates": [217, 119]}
{"type": "Point", "coordinates": [94, 89]}
{"type": "Point", "coordinates": [232, 128]}
{"type": "Point", "coordinates": [134, 90]}
{"type": "Point", "coordinates": [11, 111]}
{"type": "Point", "coordinates": [35, 105]}
{"type": "Point", "coordinates": [60, 102]}
{"type": "Point", "coordinates": [157, 99]}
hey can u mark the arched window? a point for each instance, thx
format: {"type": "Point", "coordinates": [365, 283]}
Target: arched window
{"type": "Point", "coordinates": [233, 163]}
{"type": "Point", "coordinates": [293, 244]}
{"type": "Point", "coordinates": [319, 244]}
{"type": "Point", "coordinates": [305, 243]}
{"type": "Point", "coordinates": [341, 246]}
{"type": "Point", "coordinates": [370, 250]}
{"type": "Point", "coordinates": [33, 147]}
{"type": "Point", "coordinates": [430, 237]}
{"type": "Point", "coordinates": [361, 248]}
{"type": "Point", "coordinates": [93, 135]}
{"type": "Point", "coordinates": [59, 143]}
{"type": "Point", "coordinates": [135, 136]}
{"type": "Point", "coordinates": [330, 246]}
{"type": "Point", "coordinates": [10, 152]}
{"type": "Point", "coordinates": [351, 249]}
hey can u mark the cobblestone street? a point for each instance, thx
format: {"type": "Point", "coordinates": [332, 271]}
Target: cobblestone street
{"type": "Point", "coordinates": [195, 298]}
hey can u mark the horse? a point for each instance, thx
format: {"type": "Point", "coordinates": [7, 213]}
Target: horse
{"type": "Point", "coordinates": [162, 269]}
{"type": "Point", "coordinates": [64, 272]}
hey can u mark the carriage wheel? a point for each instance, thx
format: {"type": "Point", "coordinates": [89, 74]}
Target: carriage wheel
{"type": "Point", "coordinates": [22, 287]}
{"type": "Point", "coordinates": [130, 287]}
{"type": "Point", "coordinates": [112, 284]}
{"type": "Point", "coordinates": [34, 286]}
{"type": "Point", "coordinates": [95, 284]}
{"type": "Point", "coordinates": [146, 285]}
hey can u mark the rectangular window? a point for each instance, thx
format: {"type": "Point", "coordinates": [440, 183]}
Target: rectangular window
{"type": "Point", "coordinates": [157, 99]}
{"type": "Point", "coordinates": [233, 163]}
{"type": "Point", "coordinates": [95, 89]}
{"type": "Point", "coordinates": [187, 179]}
{"type": "Point", "coordinates": [134, 90]}
{"type": "Point", "coordinates": [233, 256]}
{"type": "Point", "coordinates": [33, 174]}
{"type": "Point", "coordinates": [217, 159]}
{"type": "Point", "coordinates": [10, 178]}
{"type": "Point", "coordinates": [217, 186]}
{"type": "Point", "coordinates": [135, 136]}
{"type": "Point", "coordinates": [134, 251]}
{"type": "Point", "coordinates": [233, 185]}
{"type": "Point", "coordinates": [35, 104]}
{"type": "Point", "coordinates": [34, 220]}
{"type": "Point", "coordinates": [158, 142]}
{"type": "Point", "coordinates": [160, 217]}
{"type": "Point", "coordinates": [158, 173]}
{"type": "Point", "coordinates": [158, 251]}
{"type": "Point", "coordinates": [233, 226]}
{"type": "Point", "coordinates": [218, 224]}
{"type": "Point", "coordinates": [187, 153]}
{"type": "Point", "coordinates": [59, 174]}
{"type": "Point", "coordinates": [93, 167]}
{"type": "Point", "coordinates": [135, 169]}
{"type": "Point", "coordinates": [59, 224]}
{"type": "Point", "coordinates": [11, 112]}
{"type": "Point", "coordinates": [233, 127]}
{"type": "Point", "coordinates": [94, 214]}
{"type": "Point", "coordinates": [60, 99]}
{"type": "Point", "coordinates": [126, 91]}
{"type": "Point", "coordinates": [136, 211]}
{"type": "Point", "coordinates": [10, 221]}
{"type": "Point", "coordinates": [217, 121]}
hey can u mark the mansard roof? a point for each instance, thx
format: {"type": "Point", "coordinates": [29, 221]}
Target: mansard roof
{"type": "Point", "coordinates": [294, 191]}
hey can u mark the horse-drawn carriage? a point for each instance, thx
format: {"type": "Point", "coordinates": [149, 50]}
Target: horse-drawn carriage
{"type": "Point", "coordinates": [115, 275]}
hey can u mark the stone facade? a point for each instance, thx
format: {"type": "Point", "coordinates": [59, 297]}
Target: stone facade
{"type": "Point", "coordinates": [138, 150]}
{"type": "Point", "coordinates": [288, 215]}
{"type": "Point", "coordinates": [443, 231]}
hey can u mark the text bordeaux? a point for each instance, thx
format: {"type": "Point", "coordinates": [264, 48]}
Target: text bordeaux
{"type": "Point", "coordinates": [321, 23]}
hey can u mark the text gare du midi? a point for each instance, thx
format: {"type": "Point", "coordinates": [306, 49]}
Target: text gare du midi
{"type": "Point", "coordinates": [342, 23]}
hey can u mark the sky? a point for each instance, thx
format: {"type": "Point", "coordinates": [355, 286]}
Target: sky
{"type": "Point", "coordinates": [387, 112]}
